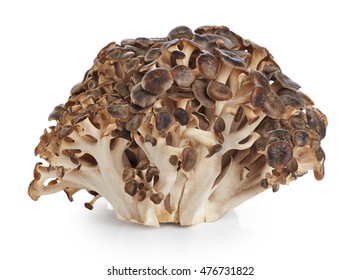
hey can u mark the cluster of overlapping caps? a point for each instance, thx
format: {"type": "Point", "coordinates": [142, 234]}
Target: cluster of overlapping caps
{"type": "Point", "coordinates": [180, 129]}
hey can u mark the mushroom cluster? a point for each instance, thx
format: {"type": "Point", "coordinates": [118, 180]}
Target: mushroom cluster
{"type": "Point", "coordinates": [180, 129]}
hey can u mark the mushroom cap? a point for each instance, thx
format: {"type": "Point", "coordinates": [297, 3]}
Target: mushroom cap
{"type": "Point", "coordinates": [177, 55]}
{"type": "Point", "coordinates": [157, 81]}
{"type": "Point", "coordinates": [279, 154]}
{"type": "Point", "coordinates": [168, 44]}
{"type": "Point", "coordinates": [219, 125]}
{"type": "Point", "coordinates": [258, 96]}
{"type": "Point", "coordinates": [189, 158]}
{"type": "Point", "coordinates": [151, 172]}
{"type": "Point", "coordinates": [56, 113]}
{"type": "Point", "coordinates": [134, 123]}
{"type": "Point", "coordinates": [316, 122]}
{"type": "Point", "coordinates": [285, 81]}
{"type": "Point", "coordinates": [152, 54]}
{"type": "Point", "coordinates": [141, 97]}
{"type": "Point", "coordinates": [181, 116]}
{"type": "Point", "coordinates": [259, 79]}
{"type": "Point", "coordinates": [180, 32]}
{"type": "Point", "coordinates": [132, 64]}
{"type": "Point", "coordinates": [118, 110]}
{"type": "Point", "coordinates": [128, 174]}
{"type": "Point", "coordinates": [183, 75]}
{"type": "Point", "coordinates": [178, 93]}
{"type": "Point", "coordinates": [273, 106]}
{"type": "Point", "coordinates": [279, 135]}
{"type": "Point", "coordinates": [164, 120]}
{"type": "Point", "coordinates": [202, 121]}
{"type": "Point", "coordinates": [65, 131]}
{"type": "Point", "coordinates": [131, 188]}
{"type": "Point", "coordinates": [218, 91]}
{"type": "Point", "coordinates": [156, 198]}
{"type": "Point", "coordinates": [230, 58]}
{"type": "Point", "coordinates": [199, 90]}
{"type": "Point", "coordinates": [208, 65]}
{"type": "Point", "coordinates": [300, 138]}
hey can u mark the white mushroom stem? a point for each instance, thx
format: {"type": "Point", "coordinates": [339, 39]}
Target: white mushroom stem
{"type": "Point", "coordinates": [256, 57]}
{"type": "Point", "coordinates": [182, 103]}
{"type": "Point", "coordinates": [219, 106]}
{"type": "Point", "coordinates": [249, 113]}
{"type": "Point", "coordinates": [157, 155]}
{"type": "Point", "coordinates": [222, 77]}
{"type": "Point", "coordinates": [233, 190]}
{"type": "Point", "coordinates": [187, 50]}
{"type": "Point", "coordinates": [165, 58]}
{"type": "Point", "coordinates": [206, 138]}
{"type": "Point", "coordinates": [224, 73]}
{"type": "Point", "coordinates": [233, 139]}
{"type": "Point", "coordinates": [197, 188]}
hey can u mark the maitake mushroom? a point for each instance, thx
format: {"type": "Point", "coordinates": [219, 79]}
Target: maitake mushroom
{"type": "Point", "coordinates": [180, 129]}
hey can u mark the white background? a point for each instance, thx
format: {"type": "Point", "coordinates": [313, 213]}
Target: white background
{"type": "Point", "coordinates": [308, 230]}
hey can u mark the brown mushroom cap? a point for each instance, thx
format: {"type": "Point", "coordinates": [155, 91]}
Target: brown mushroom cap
{"type": "Point", "coordinates": [218, 91]}
{"type": "Point", "coordinates": [151, 172]}
{"type": "Point", "coordinates": [156, 198]}
{"type": "Point", "coordinates": [131, 188]}
{"type": "Point", "coordinates": [178, 55]}
{"type": "Point", "coordinates": [164, 120]}
{"type": "Point", "coordinates": [189, 158]}
{"type": "Point", "coordinates": [202, 120]}
{"type": "Point", "coordinates": [214, 149]}
{"type": "Point", "coordinates": [285, 81]}
{"type": "Point", "coordinates": [315, 122]}
{"type": "Point", "coordinates": [210, 41]}
{"type": "Point", "coordinates": [273, 106]}
{"type": "Point", "coordinates": [122, 89]}
{"type": "Point", "coordinates": [178, 93]}
{"type": "Point", "coordinates": [79, 118]}
{"type": "Point", "coordinates": [279, 135]}
{"type": "Point", "coordinates": [132, 64]}
{"type": "Point", "coordinates": [141, 97]}
{"type": "Point", "coordinates": [219, 125]}
{"type": "Point", "coordinates": [292, 101]}
{"type": "Point", "coordinates": [279, 154]}
{"type": "Point", "coordinates": [183, 75]}
{"type": "Point", "coordinates": [199, 90]}
{"type": "Point", "coordinates": [141, 195]}
{"type": "Point", "coordinates": [173, 160]}
{"type": "Point", "coordinates": [65, 131]}
{"type": "Point", "coordinates": [157, 81]}
{"type": "Point", "coordinates": [258, 96]}
{"type": "Point", "coordinates": [180, 32]}
{"type": "Point", "coordinates": [298, 121]}
{"type": "Point", "coordinates": [208, 65]}
{"type": "Point", "coordinates": [152, 54]}
{"type": "Point", "coordinates": [300, 138]}
{"type": "Point", "coordinates": [230, 58]}
{"type": "Point", "coordinates": [258, 78]}
{"type": "Point", "coordinates": [295, 99]}
{"type": "Point", "coordinates": [168, 44]}
{"type": "Point", "coordinates": [56, 113]}
{"type": "Point", "coordinates": [118, 111]}
{"type": "Point", "coordinates": [181, 116]}
{"type": "Point", "coordinates": [134, 123]}
{"type": "Point", "coordinates": [128, 174]}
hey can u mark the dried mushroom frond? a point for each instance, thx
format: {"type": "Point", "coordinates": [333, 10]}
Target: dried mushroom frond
{"type": "Point", "coordinates": [180, 129]}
